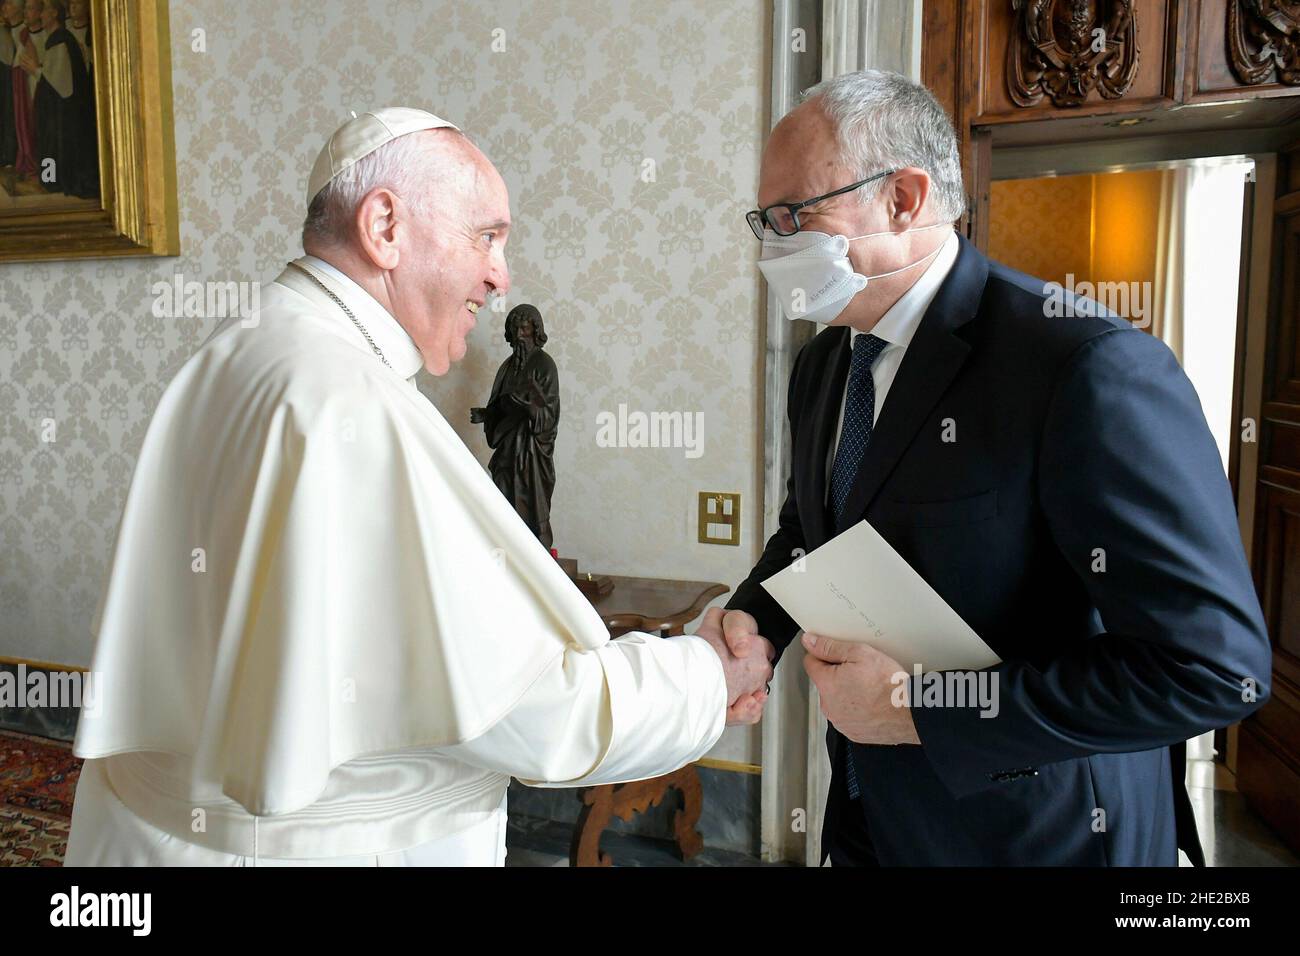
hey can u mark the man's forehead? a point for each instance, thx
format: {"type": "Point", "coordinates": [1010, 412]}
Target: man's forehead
{"type": "Point", "coordinates": [486, 184]}
{"type": "Point", "coordinates": [482, 199]}
{"type": "Point", "coordinates": [491, 198]}
{"type": "Point", "coordinates": [801, 159]}
{"type": "Point", "coordinates": [794, 177]}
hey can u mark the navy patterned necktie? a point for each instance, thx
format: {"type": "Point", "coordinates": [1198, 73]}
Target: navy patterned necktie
{"type": "Point", "coordinates": [855, 434]}
{"type": "Point", "coordinates": [859, 412]}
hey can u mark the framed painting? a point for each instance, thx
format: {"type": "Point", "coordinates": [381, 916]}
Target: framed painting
{"type": "Point", "coordinates": [87, 155]}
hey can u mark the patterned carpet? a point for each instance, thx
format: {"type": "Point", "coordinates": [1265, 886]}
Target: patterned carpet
{"type": "Point", "coordinates": [38, 779]}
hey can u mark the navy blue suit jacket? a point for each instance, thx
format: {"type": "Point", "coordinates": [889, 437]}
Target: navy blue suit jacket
{"type": "Point", "coordinates": [1076, 437]}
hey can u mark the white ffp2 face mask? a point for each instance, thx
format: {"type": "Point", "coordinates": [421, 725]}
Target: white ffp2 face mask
{"type": "Point", "coordinates": [811, 274]}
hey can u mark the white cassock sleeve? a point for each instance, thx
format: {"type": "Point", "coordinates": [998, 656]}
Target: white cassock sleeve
{"type": "Point", "coordinates": [638, 707]}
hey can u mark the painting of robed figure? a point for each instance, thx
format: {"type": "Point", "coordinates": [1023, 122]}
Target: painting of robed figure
{"type": "Point", "coordinates": [87, 162]}
{"type": "Point", "coordinates": [49, 149]}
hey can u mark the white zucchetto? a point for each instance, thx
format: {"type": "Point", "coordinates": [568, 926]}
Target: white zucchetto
{"type": "Point", "coordinates": [362, 135]}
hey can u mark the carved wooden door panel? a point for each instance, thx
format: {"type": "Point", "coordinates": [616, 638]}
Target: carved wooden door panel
{"type": "Point", "coordinates": [1268, 757]}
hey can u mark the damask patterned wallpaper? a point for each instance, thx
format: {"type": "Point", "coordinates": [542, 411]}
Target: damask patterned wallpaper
{"type": "Point", "coordinates": [629, 136]}
{"type": "Point", "coordinates": [1043, 227]}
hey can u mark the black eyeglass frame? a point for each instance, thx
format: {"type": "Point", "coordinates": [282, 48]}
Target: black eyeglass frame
{"type": "Point", "coordinates": [758, 218]}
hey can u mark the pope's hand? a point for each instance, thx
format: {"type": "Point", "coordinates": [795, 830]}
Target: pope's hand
{"type": "Point", "coordinates": [747, 676]}
{"type": "Point", "coordinates": [857, 685]}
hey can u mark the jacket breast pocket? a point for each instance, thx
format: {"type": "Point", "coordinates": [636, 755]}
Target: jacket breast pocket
{"type": "Point", "coordinates": [937, 514]}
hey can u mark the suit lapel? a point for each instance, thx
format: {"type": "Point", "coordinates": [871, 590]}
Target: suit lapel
{"type": "Point", "coordinates": [931, 362]}
{"type": "Point", "coordinates": [817, 430]}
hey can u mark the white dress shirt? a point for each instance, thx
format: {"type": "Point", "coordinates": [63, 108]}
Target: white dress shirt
{"type": "Point", "coordinates": [897, 326]}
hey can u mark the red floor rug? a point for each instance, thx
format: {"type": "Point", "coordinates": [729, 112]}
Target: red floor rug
{"type": "Point", "coordinates": [38, 779]}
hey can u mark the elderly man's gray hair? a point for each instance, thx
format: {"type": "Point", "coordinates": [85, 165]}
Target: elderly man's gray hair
{"type": "Point", "coordinates": [402, 165]}
{"type": "Point", "coordinates": [885, 121]}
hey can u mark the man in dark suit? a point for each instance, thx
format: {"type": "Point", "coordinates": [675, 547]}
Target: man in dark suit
{"type": "Point", "coordinates": [1051, 476]}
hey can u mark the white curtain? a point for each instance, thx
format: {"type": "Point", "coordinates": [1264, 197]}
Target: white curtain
{"type": "Point", "coordinates": [1198, 260]}
{"type": "Point", "coordinates": [1198, 263]}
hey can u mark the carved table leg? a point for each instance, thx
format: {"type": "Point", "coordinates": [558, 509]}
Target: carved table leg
{"type": "Point", "coordinates": [597, 808]}
{"type": "Point", "coordinates": [625, 800]}
{"type": "Point", "coordinates": [687, 814]}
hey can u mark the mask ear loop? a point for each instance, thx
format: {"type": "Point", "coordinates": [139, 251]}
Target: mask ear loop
{"type": "Point", "coordinates": [872, 235]}
{"type": "Point", "coordinates": [908, 266]}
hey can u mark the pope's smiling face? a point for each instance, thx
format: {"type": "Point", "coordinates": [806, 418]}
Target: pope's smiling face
{"type": "Point", "coordinates": [455, 254]}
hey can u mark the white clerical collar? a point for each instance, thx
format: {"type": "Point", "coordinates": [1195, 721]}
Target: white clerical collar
{"type": "Point", "coordinates": [899, 324]}
{"type": "Point", "coordinates": [393, 340]}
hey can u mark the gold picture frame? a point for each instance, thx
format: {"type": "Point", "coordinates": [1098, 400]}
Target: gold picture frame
{"type": "Point", "coordinates": [137, 214]}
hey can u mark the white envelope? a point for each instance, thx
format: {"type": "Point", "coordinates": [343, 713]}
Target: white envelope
{"type": "Point", "coordinates": [857, 588]}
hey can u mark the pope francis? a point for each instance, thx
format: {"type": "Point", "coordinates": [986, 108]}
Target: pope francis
{"type": "Point", "coordinates": [326, 638]}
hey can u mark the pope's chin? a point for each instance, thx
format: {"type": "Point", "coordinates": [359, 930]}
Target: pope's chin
{"type": "Point", "coordinates": [438, 360]}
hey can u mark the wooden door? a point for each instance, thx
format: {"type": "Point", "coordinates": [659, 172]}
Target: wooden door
{"type": "Point", "coordinates": [1268, 743]}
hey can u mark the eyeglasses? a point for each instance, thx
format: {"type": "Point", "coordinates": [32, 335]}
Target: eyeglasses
{"type": "Point", "coordinates": [783, 217]}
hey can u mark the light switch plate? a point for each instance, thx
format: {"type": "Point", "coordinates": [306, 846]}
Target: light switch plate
{"type": "Point", "coordinates": [719, 517]}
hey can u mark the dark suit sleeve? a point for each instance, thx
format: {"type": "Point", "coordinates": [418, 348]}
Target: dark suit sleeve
{"type": "Point", "coordinates": [1127, 465]}
{"type": "Point", "coordinates": [782, 548]}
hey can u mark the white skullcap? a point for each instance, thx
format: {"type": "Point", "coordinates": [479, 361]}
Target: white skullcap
{"type": "Point", "coordinates": [361, 136]}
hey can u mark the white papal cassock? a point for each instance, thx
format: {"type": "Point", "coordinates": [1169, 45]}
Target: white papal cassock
{"type": "Point", "coordinates": [327, 638]}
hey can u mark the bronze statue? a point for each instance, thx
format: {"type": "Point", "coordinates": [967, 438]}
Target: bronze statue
{"type": "Point", "coordinates": [521, 419]}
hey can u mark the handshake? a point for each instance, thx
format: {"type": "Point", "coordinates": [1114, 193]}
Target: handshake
{"type": "Point", "coordinates": [746, 661]}
{"type": "Point", "coordinates": [857, 685]}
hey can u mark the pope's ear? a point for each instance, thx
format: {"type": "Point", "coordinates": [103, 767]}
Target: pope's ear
{"type": "Point", "coordinates": [376, 225]}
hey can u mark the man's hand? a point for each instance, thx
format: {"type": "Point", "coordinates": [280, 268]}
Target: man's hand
{"type": "Point", "coordinates": [857, 693]}
{"type": "Point", "coordinates": [741, 631]}
{"type": "Point", "coordinates": [747, 676]}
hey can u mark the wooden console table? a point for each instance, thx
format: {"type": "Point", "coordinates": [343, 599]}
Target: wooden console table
{"type": "Point", "coordinates": [654, 605]}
